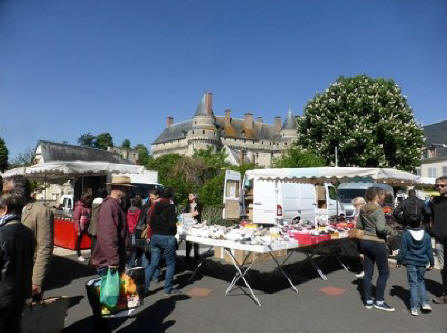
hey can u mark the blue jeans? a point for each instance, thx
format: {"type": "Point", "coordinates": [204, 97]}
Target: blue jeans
{"type": "Point", "coordinates": [418, 293]}
{"type": "Point", "coordinates": [146, 263]}
{"type": "Point", "coordinates": [374, 253]}
{"type": "Point", "coordinates": [168, 246]}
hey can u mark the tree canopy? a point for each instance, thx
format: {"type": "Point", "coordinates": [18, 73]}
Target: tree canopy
{"type": "Point", "coordinates": [101, 141]}
{"type": "Point", "coordinates": [125, 144]}
{"type": "Point", "coordinates": [368, 120]}
{"type": "Point", "coordinates": [295, 157]}
{"type": "Point", "coordinates": [87, 140]}
{"type": "Point", "coordinates": [143, 154]}
{"type": "Point", "coordinates": [104, 140]}
{"type": "Point", "coordinates": [3, 155]}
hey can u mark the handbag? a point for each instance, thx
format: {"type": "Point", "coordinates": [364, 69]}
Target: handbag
{"type": "Point", "coordinates": [356, 233]}
{"type": "Point", "coordinates": [84, 220]}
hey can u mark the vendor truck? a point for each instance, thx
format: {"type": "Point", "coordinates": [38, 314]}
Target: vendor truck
{"type": "Point", "coordinates": [269, 201]}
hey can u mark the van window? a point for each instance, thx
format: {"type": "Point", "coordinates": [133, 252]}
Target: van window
{"type": "Point", "coordinates": [232, 190]}
{"type": "Point", "coordinates": [332, 193]}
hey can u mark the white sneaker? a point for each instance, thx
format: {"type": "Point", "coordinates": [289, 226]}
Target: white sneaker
{"type": "Point", "coordinates": [81, 259]}
{"type": "Point", "coordinates": [414, 312]}
{"type": "Point", "coordinates": [360, 275]}
{"type": "Point", "coordinates": [426, 308]}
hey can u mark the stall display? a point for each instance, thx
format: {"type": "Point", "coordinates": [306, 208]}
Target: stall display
{"type": "Point", "coordinates": [65, 234]}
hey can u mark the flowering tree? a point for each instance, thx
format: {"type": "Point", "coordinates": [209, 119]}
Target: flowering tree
{"type": "Point", "coordinates": [368, 120]}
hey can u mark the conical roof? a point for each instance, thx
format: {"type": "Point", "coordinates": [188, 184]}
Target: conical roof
{"type": "Point", "coordinates": [290, 121]}
{"type": "Point", "coordinates": [201, 110]}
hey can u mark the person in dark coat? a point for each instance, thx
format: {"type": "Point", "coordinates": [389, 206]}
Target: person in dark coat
{"type": "Point", "coordinates": [81, 218]}
{"type": "Point", "coordinates": [438, 207]}
{"type": "Point", "coordinates": [110, 249]}
{"type": "Point", "coordinates": [17, 245]}
{"type": "Point", "coordinates": [93, 226]}
{"type": "Point", "coordinates": [163, 223]}
{"type": "Point", "coordinates": [194, 208]}
{"type": "Point", "coordinates": [412, 206]}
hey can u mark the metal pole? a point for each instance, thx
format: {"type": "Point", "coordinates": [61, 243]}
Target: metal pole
{"type": "Point", "coordinates": [336, 156]}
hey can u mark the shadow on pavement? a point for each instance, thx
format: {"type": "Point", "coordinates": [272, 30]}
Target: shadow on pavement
{"type": "Point", "coordinates": [433, 287]}
{"type": "Point", "coordinates": [87, 325]}
{"type": "Point", "coordinates": [402, 293]}
{"type": "Point", "coordinates": [152, 318]}
{"type": "Point", "coordinates": [268, 281]}
{"type": "Point", "coordinates": [64, 270]}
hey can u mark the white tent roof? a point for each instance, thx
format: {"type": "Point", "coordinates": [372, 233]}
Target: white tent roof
{"type": "Point", "coordinates": [335, 175]}
{"type": "Point", "coordinates": [54, 170]}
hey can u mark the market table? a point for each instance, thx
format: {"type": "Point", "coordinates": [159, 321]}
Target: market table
{"type": "Point", "coordinates": [243, 268]}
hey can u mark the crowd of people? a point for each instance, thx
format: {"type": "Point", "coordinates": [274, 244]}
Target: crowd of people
{"type": "Point", "coordinates": [421, 221]}
{"type": "Point", "coordinates": [144, 234]}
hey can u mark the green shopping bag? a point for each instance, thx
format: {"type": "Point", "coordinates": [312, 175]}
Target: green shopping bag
{"type": "Point", "coordinates": [110, 288]}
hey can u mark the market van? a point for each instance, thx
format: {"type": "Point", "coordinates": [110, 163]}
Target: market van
{"type": "Point", "coordinates": [267, 201]}
{"type": "Point", "coordinates": [349, 191]}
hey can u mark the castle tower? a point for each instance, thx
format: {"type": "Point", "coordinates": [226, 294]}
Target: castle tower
{"type": "Point", "coordinates": [204, 132]}
{"type": "Point", "coordinates": [289, 127]}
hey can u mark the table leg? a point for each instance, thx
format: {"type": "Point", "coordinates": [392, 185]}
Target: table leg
{"type": "Point", "coordinates": [242, 274]}
{"type": "Point", "coordinates": [282, 264]}
{"type": "Point", "coordinates": [318, 269]}
{"type": "Point", "coordinates": [283, 272]}
{"type": "Point", "coordinates": [202, 261]}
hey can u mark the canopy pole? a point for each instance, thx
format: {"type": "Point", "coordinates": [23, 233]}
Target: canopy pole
{"type": "Point", "coordinates": [336, 156]}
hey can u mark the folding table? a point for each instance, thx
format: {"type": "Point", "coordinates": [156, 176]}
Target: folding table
{"type": "Point", "coordinates": [243, 268]}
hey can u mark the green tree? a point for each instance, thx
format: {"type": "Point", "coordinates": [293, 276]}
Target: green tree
{"type": "Point", "coordinates": [3, 155]}
{"type": "Point", "coordinates": [87, 140]}
{"type": "Point", "coordinates": [295, 157]}
{"type": "Point", "coordinates": [103, 141]}
{"type": "Point", "coordinates": [23, 159]}
{"type": "Point", "coordinates": [143, 154]}
{"type": "Point", "coordinates": [126, 144]}
{"type": "Point", "coordinates": [368, 120]}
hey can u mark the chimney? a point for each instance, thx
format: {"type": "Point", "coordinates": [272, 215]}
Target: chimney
{"type": "Point", "coordinates": [169, 121]}
{"type": "Point", "coordinates": [278, 125]}
{"type": "Point", "coordinates": [209, 103]}
{"type": "Point", "coordinates": [248, 121]}
{"type": "Point", "coordinates": [259, 120]}
{"type": "Point", "coordinates": [227, 117]}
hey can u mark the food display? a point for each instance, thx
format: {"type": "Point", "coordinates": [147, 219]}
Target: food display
{"type": "Point", "coordinates": [305, 232]}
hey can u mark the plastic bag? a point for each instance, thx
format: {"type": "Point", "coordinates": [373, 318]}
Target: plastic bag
{"type": "Point", "coordinates": [110, 288]}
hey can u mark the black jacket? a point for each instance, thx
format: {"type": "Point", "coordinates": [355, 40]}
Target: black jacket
{"type": "Point", "coordinates": [412, 206]}
{"type": "Point", "coordinates": [164, 219]}
{"type": "Point", "coordinates": [198, 210]}
{"type": "Point", "coordinates": [17, 244]}
{"type": "Point", "coordinates": [438, 207]}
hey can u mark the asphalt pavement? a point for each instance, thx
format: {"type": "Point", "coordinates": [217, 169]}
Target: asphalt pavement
{"type": "Point", "coordinates": [320, 306]}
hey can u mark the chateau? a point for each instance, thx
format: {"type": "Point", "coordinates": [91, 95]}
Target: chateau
{"type": "Point", "coordinates": [245, 140]}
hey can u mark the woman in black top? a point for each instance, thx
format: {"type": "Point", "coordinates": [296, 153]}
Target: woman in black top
{"type": "Point", "coordinates": [194, 208]}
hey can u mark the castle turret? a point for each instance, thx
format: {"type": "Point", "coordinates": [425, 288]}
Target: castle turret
{"type": "Point", "coordinates": [289, 127]}
{"type": "Point", "coordinates": [204, 133]}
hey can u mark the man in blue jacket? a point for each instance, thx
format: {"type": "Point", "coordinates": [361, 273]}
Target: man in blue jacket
{"type": "Point", "coordinates": [439, 229]}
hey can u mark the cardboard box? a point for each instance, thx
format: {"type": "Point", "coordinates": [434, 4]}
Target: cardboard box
{"type": "Point", "coordinates": [239, 255]}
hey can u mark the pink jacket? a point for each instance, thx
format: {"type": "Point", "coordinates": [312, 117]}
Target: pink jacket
{"type": "Point", "coordinates": [79, 211]}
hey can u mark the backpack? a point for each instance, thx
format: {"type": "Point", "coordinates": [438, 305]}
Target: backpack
{"type": "Point", "coordinates": [412, 209]}
{"type": "Point", "coordinates": [133, 215]}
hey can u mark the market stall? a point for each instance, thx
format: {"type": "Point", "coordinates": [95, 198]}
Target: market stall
{"type": "Point", "coordinates": [82, 173]}
{"type": "Point", "coordinates": [304, 236]}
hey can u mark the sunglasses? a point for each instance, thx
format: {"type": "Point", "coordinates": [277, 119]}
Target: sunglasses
{"type": "Point", "coordinates": [440, 185]}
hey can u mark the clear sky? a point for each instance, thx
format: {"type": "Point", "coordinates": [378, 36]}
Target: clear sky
{"type": "Point", "coordinates": [71, 67]}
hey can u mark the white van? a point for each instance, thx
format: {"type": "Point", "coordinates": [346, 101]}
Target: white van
{"type": "Point", "coordinates": [349, 191]}
{"type": "Point", "coordinates": [276, 202]}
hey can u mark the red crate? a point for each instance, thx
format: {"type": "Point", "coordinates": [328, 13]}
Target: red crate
{"type": "Point", "coordinates": [305, 239]}
{"type": "Point", "coordinates": [65, 235]}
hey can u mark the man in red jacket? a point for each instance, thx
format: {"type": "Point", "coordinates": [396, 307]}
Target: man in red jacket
{"type": "Point", "coordinates": [110, 249]}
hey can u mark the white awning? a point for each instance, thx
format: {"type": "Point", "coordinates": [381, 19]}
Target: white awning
{"type": "Point", "coordinates": [335, 175]}
{"type": "Point", "coordinates": [55, 170]}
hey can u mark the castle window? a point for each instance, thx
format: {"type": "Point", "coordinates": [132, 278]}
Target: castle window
{"type": "Point", "coordinates": [285, 143]}
{"type": "Point", "coordinates": [203, 132]}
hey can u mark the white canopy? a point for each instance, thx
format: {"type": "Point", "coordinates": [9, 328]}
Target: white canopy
{"type": "Point", "coordinates": [335, 175]}
{"type": "Point", "coordinates": [62, 169]}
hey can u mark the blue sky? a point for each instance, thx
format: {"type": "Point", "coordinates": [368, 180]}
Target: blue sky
{"type": "Point", "coordinates": [71, 67]}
